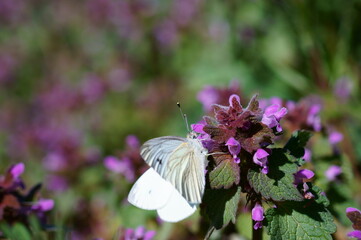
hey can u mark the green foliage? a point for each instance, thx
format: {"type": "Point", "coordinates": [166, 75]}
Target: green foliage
{"type": "Point", "coordinates": [225, 174]}
{"type": "Point", "coordinates": [301, 220]}
{"type": "Point", "coordinates": [278, 183]}
{"type": "Point", "coordinates": [297, 142]}
{"type": "Point", "coordinates": [221, 205]}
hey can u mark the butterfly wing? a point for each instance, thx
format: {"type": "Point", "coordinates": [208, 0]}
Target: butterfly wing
{"type": "Point", "coordinates": [176, 209]}
{"type": "Point", "coordinates": [150, 191]}
{"type": "Point", "coordinates": [179, 161]}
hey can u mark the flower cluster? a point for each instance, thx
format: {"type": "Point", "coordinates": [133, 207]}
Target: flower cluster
{"type": "Point", "coordinates": [14, 205]}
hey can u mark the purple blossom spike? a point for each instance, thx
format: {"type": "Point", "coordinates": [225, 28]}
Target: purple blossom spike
{"type": "Point", "coordinates": [333, 172]}
{"type": "Point", "coordinates": [208, 96]}
{"type": "Point", "coordinates": [303, 174]}
{"type": "Point", "coordinates": [17, 170]}
{"type": "Point", "coordinates": [257, 215]}
{"type": "Point", "coordinates": [313, 117]}
{"type": "Point", "coordinates": [260, 158]}
{"type": "Point", "coordinates": [234, 148]}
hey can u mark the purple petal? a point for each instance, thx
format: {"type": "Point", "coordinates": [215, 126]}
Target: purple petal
{"type": "Point", "coordinates": [261, 153]}
{"type": "Point", "coordinates": [234, 146]}
{"type": "Point", "coordinates": [271, 110]}
{"type": "Point", "coordinates": [208, 96]}
{"type": "Point", "coordinates": [149, 235]}
{"type": "Point", "coordinates": [307, 156]}
{"type": "Point", "coordinates": [335, 137]}
{"type": "Point", "coordinates": [43, 205]}
{"type": "Point", "coordinates": [351, 209]}
{"type": "Point", "coordinates": [355, 234]}
{"type": "Point", "coordinates": [231, 98]}
{"type": "Point", "coordinates": [281, 113]}
{"type": "Point", "coordinates": [132, 141]}
{"type": "Point", "coordinates": [198, 127]}
{"type": "Point", "coordinates": [139, 232]}
{"type": "Point", "coordinates": [303, 174]}
{"type": "Point", "coordinates": [257, 212]}
{"type": "Point", "coordinates": [257, 225]}
{"type": "Point", "coordinates": [17, 170]}
{"type": "Point", "coordinates": [332, 172]}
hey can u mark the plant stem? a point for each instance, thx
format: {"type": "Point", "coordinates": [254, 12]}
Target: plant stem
{"type": "Point", "coordinates": [256, 234]}
{"type": "Point", "coordinates": [209, 233]}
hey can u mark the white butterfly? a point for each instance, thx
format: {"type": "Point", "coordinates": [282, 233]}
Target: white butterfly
{"type": "Point", "coordinates": [174, 185]}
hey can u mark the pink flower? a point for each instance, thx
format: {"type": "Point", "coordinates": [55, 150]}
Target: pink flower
{"type": "Point", "coordinates": [303, 174]}
{"type": "Point", "coordinates": [272, 115]}
{"type": "Point", "coordinates": [122, 166]}
{"type": "Point", "coordinates": [308, 155]}
{"type": "Point", "coordinates": [140, 233]}
{"type": "Point", "coordinates": [335, 137]}
{"type": "Point", "coordinates": [17, 170]}
{"type": "Point", "coordinates": [260, 158]}
{"type": "Point", "coordinates": [257, 215]}
{"type": "Point", "coordinates": [234, 148]}
{"type": "Point", "coordinates": [333, 172]}
{"type": "Point", "coordinates": [43, 205]}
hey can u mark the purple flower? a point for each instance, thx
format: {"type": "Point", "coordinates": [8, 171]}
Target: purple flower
{"type": "Point", "coordinates": [132, 141]}
{"type": "Point", "coordinates": [57, 183]}
{"type": "Point", "coordinates": [313, 117]}
{"type": "Point", "coordinates": [342, 89]}
{"type": "Point", "coordinates": [333, 172]}
{"type": "Point", "coordinates": [260, 158]}
{"type": "Point", "coordinates": [122, 166]}
{"type": "Point", "coordinates": [208, 96]}
{"type": "Point", "coordinates": [17, 170]}
{"type": "Point", "coordinates": [335, 137]}
{"type": "Point", "coordinates": [234, 148]}
{"type": "Point", "coordinates": [308, 155]}
{"type": "Point", "coordinates": [43, 205]}
{"type": "Point", "coordinates": [272, 115]}
{"type": "Point", "coordinates": [54, 161]}
{"type": "Point", "coordinates": [139, 233]}
{"type": "Point", "coordinates": [303, 174]}
{"type": "Point", "coordinates": [257, 215]}
{"type": "Point", "coordinates": [355, 216]}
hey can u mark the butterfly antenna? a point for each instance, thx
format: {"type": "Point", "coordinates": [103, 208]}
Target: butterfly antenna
{"type": "Point", "coordinates": [184, 116]}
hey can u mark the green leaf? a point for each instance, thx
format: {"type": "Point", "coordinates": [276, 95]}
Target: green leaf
{"type": "Point", "coordinates": [278, 183]}
{"type": "Point", "coordinates": [220, 205]}
{"type": "Point", "coordinates": [299, 220]}
{"type": "Point", "coordinates": [225, 174]}
{"type": "Point", "coordinates": [20, 232]}
{"type": "Point", "coordinates": [297, 143]}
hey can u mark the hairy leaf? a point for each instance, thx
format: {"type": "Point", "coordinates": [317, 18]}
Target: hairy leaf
{"type": "Point", "coordinates": [299, 220]}
{"type": "Point", "coordinates": [225, 174]}
{"type": "Point", "coordinates": [297, 143]}
{"type": "Point", "coordinates": [278, 183]}
{"type": "Point", "coordinates": [221, 205]}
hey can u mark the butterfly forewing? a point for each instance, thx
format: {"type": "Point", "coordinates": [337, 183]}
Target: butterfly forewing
{"type": "Point", "coordinates": [179, 161]}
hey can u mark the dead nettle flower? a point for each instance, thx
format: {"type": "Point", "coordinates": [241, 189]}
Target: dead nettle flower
{"type": "Point", "coordinates": [140, 233]}
{"type": "Point", "coordinates": [333, 172]}
{"type": "Point", "coordinates": [355, 216]}
{"type": "Point", "coordinates": [300, 178]}
{"type": "Point", "coordinates": [14, 205]}
{"type": "Point", "coordinates": [236, 129]}
{"type": "Point", "coordinates": [129, 161]}
{"type": "Point", "coordinates": [257, 215]}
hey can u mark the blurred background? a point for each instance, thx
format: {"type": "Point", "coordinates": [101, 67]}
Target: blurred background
{"type": "Point", "coordinates": [84, 83]}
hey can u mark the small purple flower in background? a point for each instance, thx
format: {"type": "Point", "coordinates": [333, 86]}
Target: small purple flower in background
{"type": "Point", "coordinates": [132, 141]}
{"type": "Point", "coordinates": [122, 166]}
{"type": "Point", "coordinates": [342, 89]}
{"type": "Point", "coordinates": [234, 148]}
{"type": "Point", "coordinates": [303, 174]}
{"type": "Point", "coordinates": [355, 216]}
{"type": "Point", "coordinates": [333, 172]}
{"type": "Point", "coordinates": [57, 183]}
{"type": "Point", "coordinates": [308, 155]}
{"type": "Point", "coordinates": [335, 137]}
{"type": "Point", "coordinates": [272, 115]}
{"type": "Point", "coordinates": [313, 117]}
{"type": "Point", "coordinates": [140, 233]}
{"type": "Point", "coordinates": [17, 170]}
{"type": "Point", "coordinates": [257, 215]}
{"type": "Point", "coordinates": [43, 205]}
{"type": "Point", "coordinates": [208, 96]}
{"type": "Point", "coordinates": [260, 158]}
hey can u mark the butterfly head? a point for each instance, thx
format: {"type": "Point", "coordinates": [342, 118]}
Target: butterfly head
{"type": "Point", "coordinates": [192, 135]}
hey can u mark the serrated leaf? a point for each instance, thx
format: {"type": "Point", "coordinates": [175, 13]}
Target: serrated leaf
{"type": "Point", "coordinates": [225, 174]}
{"type": "Point", "coordinates": [278, 183]}
{"type": "Point", "coordinates": [221, 205]}
{"type": "Point", "coordinates": [297, 143]}
{"type": "Point", "coordinates": [299, 220]}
